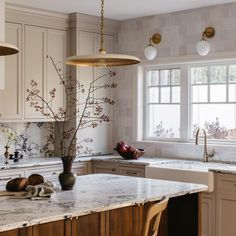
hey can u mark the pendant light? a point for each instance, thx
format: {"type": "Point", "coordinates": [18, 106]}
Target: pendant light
{"type": "Point", "coordinates": [7, 49]}
{"type": "Point", "coordinates": [102, 59]}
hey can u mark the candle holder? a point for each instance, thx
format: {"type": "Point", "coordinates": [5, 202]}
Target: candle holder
{"type": "Point", "coordinates": [6, 154]}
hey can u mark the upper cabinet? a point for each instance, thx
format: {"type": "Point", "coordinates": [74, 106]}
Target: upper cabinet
{"type": "Point", "coordinates": [41, 44]}
{"type": "Point", "coordinates": [89, 43]}
{"type": "Point", "coordinates": [39, 38]}
{"type": "Point", "coordinates": [35, 65]}
{"type": "Point", "coordinates": [11, 96]}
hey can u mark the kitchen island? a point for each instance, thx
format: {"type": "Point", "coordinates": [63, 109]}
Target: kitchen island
{"type": "Point", "coordinates": [102, 204]}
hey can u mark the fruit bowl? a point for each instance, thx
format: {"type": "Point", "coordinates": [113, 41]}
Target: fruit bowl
{"type": "Point", "coordinates": [127, 151]}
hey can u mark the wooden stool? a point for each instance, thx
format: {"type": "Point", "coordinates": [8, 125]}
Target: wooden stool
{"type": "Point", "coordinates": [154, 211]}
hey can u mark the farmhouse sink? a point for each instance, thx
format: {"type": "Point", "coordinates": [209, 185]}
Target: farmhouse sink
{"type": "Point", "coordinates": [183, 171]}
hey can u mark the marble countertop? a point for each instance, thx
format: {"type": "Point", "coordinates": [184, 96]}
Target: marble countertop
{"type": "Point", "coordinates": [92, 193]}
{"type": "Point", "coordinates": [33, 162]}
{"type": "Point", "coordinates": [229, 168]}
{"type": "Point", "coordinates": [198, 166]}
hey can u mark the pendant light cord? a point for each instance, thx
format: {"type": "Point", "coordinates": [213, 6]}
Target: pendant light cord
{"type": "Point", "coordinates": [102, 50]}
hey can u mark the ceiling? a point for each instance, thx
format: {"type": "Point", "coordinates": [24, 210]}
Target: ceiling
{"type": "Point", "coordinates": [118, 9]}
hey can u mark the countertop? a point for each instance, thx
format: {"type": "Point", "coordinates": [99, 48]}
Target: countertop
{"type": "Point", "coordinates": [33, 162]}
{"type": "Point", "coordinates": [92, 193]}
{"type": "Point", "coordinates": [229, 168]}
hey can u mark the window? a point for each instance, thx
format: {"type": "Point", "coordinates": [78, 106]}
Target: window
{"type": "Point", "coordinates": [214, 101]}
{"type": "Point", "coordinates": [179, 100]}
{"type": "Point", "coordinates": [163, 99]}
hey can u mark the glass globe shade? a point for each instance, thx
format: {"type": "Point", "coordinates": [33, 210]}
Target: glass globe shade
{"type": "Point", "coordinates": [150, 52]}
{"type": "Point", "coordinates": [203, 47]}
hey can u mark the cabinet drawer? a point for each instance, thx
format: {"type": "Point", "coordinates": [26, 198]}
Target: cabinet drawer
{"type": "Point", "coordinates": [80, 168]}
{"type": "Point", "coordinates": [47, 171]}
{"type": "Point", "coordinates": [131, 171]}
{"type": "Point", "coordinates": [105, 168]}
{"type": "Point", "coordinates": [226, 185]}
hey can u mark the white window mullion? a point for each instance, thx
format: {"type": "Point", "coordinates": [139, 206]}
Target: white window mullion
{"type": "Point", "coordinates": [184, 103]}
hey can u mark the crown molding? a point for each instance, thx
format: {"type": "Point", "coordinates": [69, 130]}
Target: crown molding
{"type": "Point", "coordinates": [39, 17]}
{"type": "Point", "coordinates": [92, 23]}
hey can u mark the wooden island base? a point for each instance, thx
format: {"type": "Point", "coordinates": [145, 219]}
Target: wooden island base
{"type": "Point", "coordinates": [180, 219]}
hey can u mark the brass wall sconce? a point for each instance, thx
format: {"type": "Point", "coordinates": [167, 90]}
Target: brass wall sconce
{"type": "Point", "coordinates": [203, 47]}
{"type": "Point", "coordinates": [150, 51]}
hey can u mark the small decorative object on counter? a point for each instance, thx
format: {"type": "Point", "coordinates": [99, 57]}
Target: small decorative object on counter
{"type": "Point", "coordinates": [33, 188]}
{"type": "Point", "coordinates": [128, 151]}
{"type": "Point", "coordinates": [19, 184]}
{"type": "Point", "coordinates": [16, 185]}
{"type": "Point", "coordinates": [88, 113]}
{"type": "Point", "coordinates": [6, 154]}
{"type": "Point", "coordinates": [8, 138]}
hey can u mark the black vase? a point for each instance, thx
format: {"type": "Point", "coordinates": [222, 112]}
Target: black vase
{"type": "Point", "coordinates": [67, 178]}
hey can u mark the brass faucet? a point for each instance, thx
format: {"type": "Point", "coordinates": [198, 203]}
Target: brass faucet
{"type": "Point", "coordinates": [206, 155]}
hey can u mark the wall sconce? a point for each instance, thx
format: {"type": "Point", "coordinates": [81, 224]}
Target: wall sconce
{"type": "Point", "coordinates": [203, 47]}
{"type": "Point", "coordinates": [150, 51]}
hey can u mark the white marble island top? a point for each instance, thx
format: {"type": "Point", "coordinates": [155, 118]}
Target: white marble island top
{"type": "Point", "coordinates": [92, 193]}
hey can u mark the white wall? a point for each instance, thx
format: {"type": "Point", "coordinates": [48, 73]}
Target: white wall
{"type": "Point", "coordinates": [180, 32]}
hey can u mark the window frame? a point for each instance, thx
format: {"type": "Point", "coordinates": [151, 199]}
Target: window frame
{"type": "Point", "coordinates": [145, 102]}
{"type": "Point", "coordinates": [209, 64]}
{"type": "Point", "coordinates": [185, 100]}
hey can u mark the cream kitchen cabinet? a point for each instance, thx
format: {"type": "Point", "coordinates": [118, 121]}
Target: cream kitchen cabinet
{"type": "Point", "coordinates": [226, 205]}
{"type": "Point", "coordinates": [11, 96]}
{"type": "Point", "coordinates": [131, 171]}
{"type": "Point", "coordinates": [208, 214]}
{"type": "Point", "coordinates": [117, 168]}
{"type": "Point", "coordinates": [104, 168]}
{"type": "Point", "coordinates": [82, 168]}
{"type": "Point", "coordinates": [51, 172]}
{"type": "Point", "coordinates": [89, 43]}
{"type": "Point", "coordinates": [39, 45]}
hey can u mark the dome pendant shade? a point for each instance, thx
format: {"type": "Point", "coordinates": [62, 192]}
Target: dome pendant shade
{"type": "Point", "coordinates": [102, 60]}
{"type": "Point", "coordinates": [7, 49]}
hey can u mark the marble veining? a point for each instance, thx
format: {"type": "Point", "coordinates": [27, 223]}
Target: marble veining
{"type": "Point", "coordinates": [92, 193]}
{"type": "Point", "coordinates": [32, 162]}
{"type": "Point", "coordinates": [143, 161]}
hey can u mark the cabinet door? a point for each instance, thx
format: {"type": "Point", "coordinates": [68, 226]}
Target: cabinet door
{"type": "Point", "coordinates": [131, 171]}
{"type": "Point", "coordinates": [226, 205]}
{"type": "Point", "coordinates": [208, 216]}
{"type": "Point", "coordinates": [104, 168]}
{"type": "Point", "coordinates": [35, 63]}
{"type": "Point", "coordinates": [102, 135]}
{"type": "Point", "coordinates": [49, 173]}
{"type": "Point", "coordinates": [57, 50]}
{"type": "Point", "coordinates": [81, 168]}
{"type": "Point", "coordinates": [12, 109]}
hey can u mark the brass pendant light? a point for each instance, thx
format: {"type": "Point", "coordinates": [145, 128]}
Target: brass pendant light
{"type": "Point", "coordinates": [102, 59]}
{"type": "Point", "coordinates": [7, 49]}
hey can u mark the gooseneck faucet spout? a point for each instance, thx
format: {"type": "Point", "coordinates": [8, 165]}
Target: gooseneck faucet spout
{"type": "Point", "coordinates": [206, 154]}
